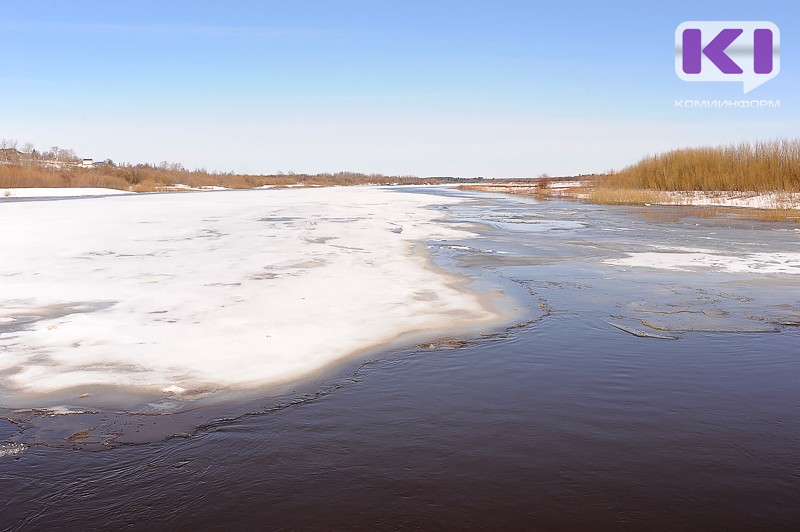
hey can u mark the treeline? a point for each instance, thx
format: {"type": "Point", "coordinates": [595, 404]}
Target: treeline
{"type": "Point", "coordinates": [12, 152]}
{"type": "Point", "coordinates": [147, 178]}
{"type": "Point", "coordinates": [772, 166]}
{"type": "Point", "coordinates": [26, 167]}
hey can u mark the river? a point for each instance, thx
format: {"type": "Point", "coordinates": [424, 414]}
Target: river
{"type": "Point", "coordinates": [651, 383]}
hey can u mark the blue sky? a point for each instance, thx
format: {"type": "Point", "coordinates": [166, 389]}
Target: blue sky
{"type": "Point", "coordinates": [501, 88]}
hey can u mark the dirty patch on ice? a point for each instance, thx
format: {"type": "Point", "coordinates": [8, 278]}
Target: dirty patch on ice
{"type": "Point", "coordinates": [469, 249]}
{"type": "Point", "coordinates": [526, 224]}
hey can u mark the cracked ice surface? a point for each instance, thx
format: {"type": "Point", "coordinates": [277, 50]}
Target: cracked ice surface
{"type": "Point", "coordinates": [183, 291]}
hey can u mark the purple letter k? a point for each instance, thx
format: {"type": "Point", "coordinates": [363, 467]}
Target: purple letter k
{"type": "Point", "coordinates": [715, 51]}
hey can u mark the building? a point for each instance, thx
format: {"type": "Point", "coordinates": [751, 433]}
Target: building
{"type": "Point", "coordinates": [10, 155]}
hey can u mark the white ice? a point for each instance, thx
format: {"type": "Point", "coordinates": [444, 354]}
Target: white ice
{"type": "Point", "coordinates": [58, 192]}
{"type": "Point", "coordinates": [697, 260]}
{"type": "Point", "coordinates": [185, 188]}
{"type": "Point", "coordinates": [179, 292]}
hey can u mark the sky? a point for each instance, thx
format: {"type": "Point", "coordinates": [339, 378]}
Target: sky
{"type": "Point", "coordinates": [432, 88]}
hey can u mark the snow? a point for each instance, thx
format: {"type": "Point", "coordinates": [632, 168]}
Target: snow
{"type": "Point", "coordinates": [697, 260]}
{"type": "Point", "coordinates": [179, 187]}
{"type": "Point", "coordinates": [565, 184]}
{"type": "Point", "coordinates": [753, 200]}
{"type": "Point", "coordinates": [179, 292]}
{"type": "Point", "coordinates": [58, 192]}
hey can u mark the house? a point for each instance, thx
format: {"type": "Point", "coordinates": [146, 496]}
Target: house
{"type": "Point", "coordinates": [10, 155]}
{"type": "Point", "coordinates": [88, 163]}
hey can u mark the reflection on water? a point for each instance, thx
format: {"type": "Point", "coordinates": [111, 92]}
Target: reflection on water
{"type": "Point", "coordinates": [566, 421]}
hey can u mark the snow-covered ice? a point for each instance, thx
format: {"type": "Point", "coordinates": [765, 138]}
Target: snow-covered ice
{"type": "Point", "coordinates": [58, 192]}
{"type": "Point", "coordinates": [694, 260]}
{"type": "Point", "coordinates": [187, 188]}
{"type": "Point", "coordinates": [174, 292]}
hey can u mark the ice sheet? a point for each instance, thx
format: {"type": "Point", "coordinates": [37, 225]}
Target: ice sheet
{"type": "Point", "coordinates": [180, 292]}
{"type": "Point", "coordinates": [58, 192]}
{"type": "Point", "coordinates": [685, 259]}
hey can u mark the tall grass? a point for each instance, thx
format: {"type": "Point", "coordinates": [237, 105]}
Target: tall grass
{"type": "Point", "coordinates": [146, 178]}
{"type": "Point", "coordinates": [33, 176]}
{"type": "Point", "coordinates": [760, 167]}
{"type": "Point", "coordinates": [624, 196]}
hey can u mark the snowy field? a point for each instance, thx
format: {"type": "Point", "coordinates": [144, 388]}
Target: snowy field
{"type": "Point", "coordinates": [184, 292]}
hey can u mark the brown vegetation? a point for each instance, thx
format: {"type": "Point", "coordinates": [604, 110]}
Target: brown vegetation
{"type": "Point", "coordinates": [761, 167]}
{"type": "Point", "coordinates": [148, 178]}
{"type": "Point", "coordinates": [718, 176]}
{"type": "Point", "coordinates": [543, 187]}
{"type": "Point", "coordinates": [624, 196]}
{"type": "Point", "coordinates": [25, 167]}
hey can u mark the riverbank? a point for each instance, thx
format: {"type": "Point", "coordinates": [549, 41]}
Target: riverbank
{"type": "Point", "coordinates": [759, 181]}
{"type": "Point", "coordinates": [782, 206]}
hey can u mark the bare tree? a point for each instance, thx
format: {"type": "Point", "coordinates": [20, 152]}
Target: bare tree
{"type": "Point", "coordinates": [27, 152]}
{"type": "Point", "coordinates": [67, 155]}
{"type": "Point", "coordinates": [8, 151]}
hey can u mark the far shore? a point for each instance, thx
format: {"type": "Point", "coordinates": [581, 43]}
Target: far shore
{"type": "Point", "coordinates": [766, 206]}
{"type": "Point", "coordinates": [759, 180]}
{"type": "Point", "coordinates": [78, 192]}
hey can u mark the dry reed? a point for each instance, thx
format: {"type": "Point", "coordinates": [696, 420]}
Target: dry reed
{"type": "Point", "coordinates": [759, 167]}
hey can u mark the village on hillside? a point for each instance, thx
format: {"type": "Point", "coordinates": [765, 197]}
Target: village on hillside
{"type": "Point", "coordinates": [55, 157]}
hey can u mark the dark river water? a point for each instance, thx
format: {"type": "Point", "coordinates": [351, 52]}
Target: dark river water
{"type": "Point", "coordinates": [627, 398]}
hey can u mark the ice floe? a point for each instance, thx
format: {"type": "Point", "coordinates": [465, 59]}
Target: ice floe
{"type": "Point", "coordinates": [12, 449]}
{"type": "Point", "coordinates": [174, 292]}
{"type": "Point", "coordinates": [685, 259]}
